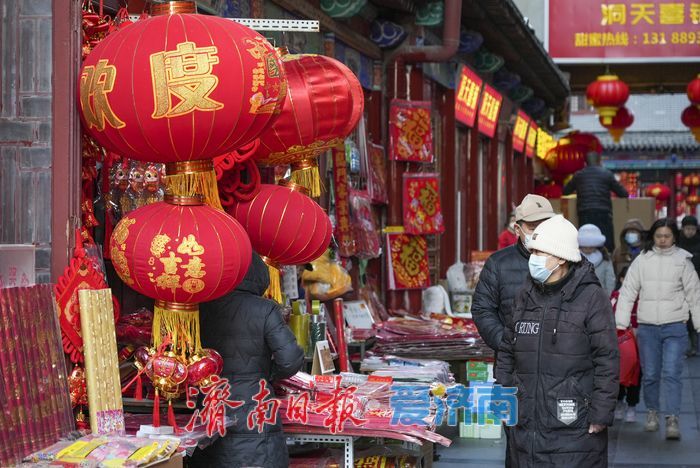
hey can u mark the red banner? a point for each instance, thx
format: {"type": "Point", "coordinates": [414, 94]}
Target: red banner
{"type": "Point", "coordinates": [410, 131]}
{"type": "Point", "coordinates": [343, 230]}
{"type": "Point", "coordinates": [421, 204]}
{"type": "Point", "coordinates": [631, 31]}
{"type": "Point", "coordinates": [522, 121]}
{"type": "Point", "coordinates": [531, 139]}
{"type": "Point", "coordinates": [376, 177]}
{"type": "Point", "coordinates": [408, 262]}
{"type": "Point", "coordinates": [488, 111]}
{"type": "Point", "coordinates": [467, 98]}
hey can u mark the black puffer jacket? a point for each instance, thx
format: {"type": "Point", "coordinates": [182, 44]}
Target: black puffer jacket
{"type": "Point", "coordinates": [593, 185]}
{"type": "Point", "coordinates": [692, 245]}
{"type": "Point", "coordinates": [503, 275]}
{"type": "Point", "coordinates": [560, 351]}
{"type": "Point", "coordinates": [249, 332]}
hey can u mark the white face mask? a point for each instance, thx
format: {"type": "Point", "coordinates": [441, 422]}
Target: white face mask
{"type": "Point", "coordinates": [595, 257]}
{"type": "Point", "coordinates": [632, 238]}
{"type": "Point", "coordinates": [528, 239]}
{"type": "Point", "coordinates": [538, 268]}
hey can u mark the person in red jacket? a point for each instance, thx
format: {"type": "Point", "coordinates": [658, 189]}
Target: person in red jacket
{"type": "Point", "coordinates": [630, 394]}
{"type": "Point", "coordinates": [508, 237]}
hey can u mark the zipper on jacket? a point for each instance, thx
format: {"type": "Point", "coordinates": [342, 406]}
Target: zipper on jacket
{"type": "Point", "coordinates": [537, 382]}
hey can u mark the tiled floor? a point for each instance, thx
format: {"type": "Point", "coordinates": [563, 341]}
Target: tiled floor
{"type": "Point", "coordinates": [629, 445]}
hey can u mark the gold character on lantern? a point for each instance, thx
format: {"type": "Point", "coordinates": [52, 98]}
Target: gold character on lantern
{"type": "Point", "coordinates": [613, 13]}
{"type": "Point", "coordinates": [166, 281]}
{"type": "Point", "coordinates": [190, 246]}
{"type": "Point", "coordinates": [96, 82]}
{"type": "Point", "coordinates": [193, 286]}
{"type": "Point", "coordinates": [158, 244]}
{"type": "Point", "coordinates": [170, 263]}
{"type": "Point", "coordinates": [194, 268]}
{"type": "Point", "coordinates": [121, 232]}
{"type": "Point", "coordinates": [185, 73]}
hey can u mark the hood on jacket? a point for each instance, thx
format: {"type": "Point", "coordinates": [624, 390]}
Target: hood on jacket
{"type": "Point", "coordinates": [633, 223]}
{"type": "Point", "coordinates": [257, 280]}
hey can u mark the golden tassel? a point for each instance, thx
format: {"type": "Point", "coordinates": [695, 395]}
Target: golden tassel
{"type": "Point", "coordinates": [274, 290]}
{"type": "Point", "coordinates": [181, 322]}
{"type": "Point", "coordinates": [306, 174]}
{"type": "Point", "coordinates": [190, 178]}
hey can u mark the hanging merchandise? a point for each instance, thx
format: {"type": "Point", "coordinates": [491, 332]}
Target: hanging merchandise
{"type": "Point", "coordinates": [364, 225]}
{"type": "Point", "coordinates": [376, 183]}
{"type": "Point", "coordinates": [324, 104]}
{"type": "Point", "coordinates": [410, 131]}
{"type": "Point", "coordinates": [407, 261]}
{"type": "Point", "coordinates": [421, 204]}
{"type": "Point", "coordinates": [343, 230]}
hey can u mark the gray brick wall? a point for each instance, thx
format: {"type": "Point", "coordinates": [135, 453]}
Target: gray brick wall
{"type": "Point", "coordinates": [25, 127]}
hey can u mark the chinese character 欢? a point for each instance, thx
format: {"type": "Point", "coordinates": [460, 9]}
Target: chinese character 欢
{"type": "Point", "coordinates": [215, 403]}
{"type": "Point", "coordinates": [410, 405]}
{"type": "Point", "coordinates": [265, 411]}
{"type": "Point", "coordinates": [340, 408]}
{"type": "Point", "coordinates": [96, 82]}
{"type": "Point", "coordinates": [671, 13]}
{"type": "Point", "coordinates": [613, 13]}
{"type": "Point", "coordinates": [642, 11]}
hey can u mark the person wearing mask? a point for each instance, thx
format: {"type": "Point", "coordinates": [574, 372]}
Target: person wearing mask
{"type": "Point", "coordinates": [504, 274]}
{"type": "Point", "coordinates": [592, 244]}
{"type": "Point", "coordinates": [256, 344]}
{"type": "Point", "coordinates": [508, 237]}
{"type": "Point", "coordinates": [560, 351]}
{"type": "Point", "coordinates": [592, 186]}
{"type": "Point", "coordinates": [631, 243]}
{"type": "Point", "coordinates": [690, 240]}
{"type": "Point", "coordinates": [664, 279]}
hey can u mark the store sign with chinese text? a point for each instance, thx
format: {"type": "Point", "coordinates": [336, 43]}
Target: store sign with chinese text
{"type": "Point", "coordinates": [467, 98]}
{"type": "Point", "coordinates": [531, 139]}
{"type": "Point", "coordinates": [522, 121]}
{"type": "Point", "coordinates": [623, 31]}
{"type": "Point", "coordinates": [488, 111]}
{"type": "Point", "coordinates": [545, 142]}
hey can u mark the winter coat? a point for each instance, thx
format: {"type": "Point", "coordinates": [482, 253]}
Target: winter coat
{"type": "Point", "coordinates": [593, 185]}
{"type": "Point", "coordinates": [606, 275]}
{"type": "Point", "coordinates": [624, 253]}
{"type": "Point", "coordinates": [560, 351]}
{"type": "Point", "coordinates": [501, 278]}
{"type": "Point", "coordinates": [692, 245]}
{"type": "Point", "coordinates": [256, 344]}
{"type": "Point", "coordinates": [667, 285]}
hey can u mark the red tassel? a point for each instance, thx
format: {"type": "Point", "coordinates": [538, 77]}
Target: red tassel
{"type": "Point", "coordinates": [171, 418]}
{"type": "Point", "coordinates": [139, 388]}
{"type": "Point", "coordinates": [156, 410]}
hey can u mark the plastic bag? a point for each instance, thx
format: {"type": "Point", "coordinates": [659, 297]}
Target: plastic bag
{"type": "Point", "coordinates": [436, 300]}
{"type": "Point", "coordinates": [629, 358]}
{"type": "Point", "coordinates": [326, 280]}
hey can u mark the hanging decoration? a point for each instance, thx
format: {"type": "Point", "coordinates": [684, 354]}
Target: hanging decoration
{"type": "Point", "coordinates": [407, 261]}
{"type": "Point", "coordinates": [608, 93]}
{"type": "Point", "coordinates": [364, 225]}
{"type": "Point", "coordinates": [660, 192]}
{"type": "Point", "coordinates": [691, 119]}
{"type": "Point", "coordinates": [587, 141]}
{"type": "Point", "coordinates": [341, 200]}
{"type": "Point", "coordinates": [410, 131]}
{"type": "Point", "coordinates": [422, 213]}
{"type": "Point", "coordinates": [693, 91]}
{"type": "Point", "coordinates": [565, 159]}
{"type": "Point", "coordinates": [324, 104]}
{"type": "Point", "coordinates": [376, 183]}
{"type": "Point", "coordinates": [621, 122]}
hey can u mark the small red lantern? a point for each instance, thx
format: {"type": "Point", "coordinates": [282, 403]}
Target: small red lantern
{"type": "Point", "coordinates": [166, 370]}
{"type": "Point", "coordinates": [203, 366]}
{"type": "Point", "coordinates": [610, 94]}
{"type": "Point", "coordinates": [694, 91]}
{"type": "Point", "coordinates": [623, 120]}
{"type": "Point", "coordinates": [692, 200]}
{"type": "Point", "coordinates": [691, 119]}
{"type": "Point", "coordinates": [324, 103]}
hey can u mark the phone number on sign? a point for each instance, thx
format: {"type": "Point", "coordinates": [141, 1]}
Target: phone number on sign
{"type": "Point", "coordinates": [654, 38]}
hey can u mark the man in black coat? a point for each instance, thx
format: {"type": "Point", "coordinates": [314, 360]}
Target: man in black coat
{"type": "Point", "coordinates": [593, 185]}
{"type": "Point", "coordinates": [250, 334]}
{"type": "Point", "coordinates": [690, 240]}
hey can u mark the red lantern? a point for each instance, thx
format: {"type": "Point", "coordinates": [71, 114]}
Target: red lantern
{"type": "Point", "coordinates": [203, 367]}
{"type": "Point", "coordinates": [691, 119]}
{"type": "Point", "coordinates": [565, 159]}
{"type": "Point", "coordinates": [694, 91]}
{"type": "Point", "coordinates": [610, 94]}
{"type": "Point", "coordinates": [692, 200]}
{"type": "Point", "coordinates": [324, 103]}
{"type": "Point", "coordinates": [591, 92]}
{"type": "Point", "coordinates": [659, 191]}
{"type": "Point", "coordinates": [180, 88]}
{"type": "Point", "coordinates": [587, 141]}
{"type": "Point", "coordinates": [166, 370]}
{"type": "Point", "coordinates": [623, 120]}
{"type": "Point", "coordinates": [694, 180]}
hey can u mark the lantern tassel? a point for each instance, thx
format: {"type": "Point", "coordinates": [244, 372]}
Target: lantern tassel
{"type": "Point", "coordinates": [156, 410]}
{"type": "Point", "coordinates": [306, 174]}
{"type": "Point", "coordinates": [187, 179]}
{"type": "Point", "coordinates": [171, 418]}
{"type": "Point", "coordinates": [181, 322]}
{"type": "Point", "coordinates": [274, 291]}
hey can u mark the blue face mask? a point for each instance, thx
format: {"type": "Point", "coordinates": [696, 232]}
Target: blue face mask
{"type": "Point", "coordinates": [538, 269]}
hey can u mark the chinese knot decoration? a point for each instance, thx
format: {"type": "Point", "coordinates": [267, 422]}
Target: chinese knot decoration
{"type": "Point", "coordinates": [324, 103]}
{"type": "Point", "coordinates": [693, 91]}
{"type": "Point", "coordinates": [622, 120]}
{"type": "Point", "coordinates": [181, 89]}
{"type": "Point", "coordinates": [607, 94]}
{"type": "Point", "coordinates": [691, 119]}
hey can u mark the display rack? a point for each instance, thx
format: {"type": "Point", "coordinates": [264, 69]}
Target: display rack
{"type": "Point", "coordinates": [347, 441]}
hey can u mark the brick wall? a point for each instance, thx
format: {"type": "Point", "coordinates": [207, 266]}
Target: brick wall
{"type": "Point", "coordinates": [25, 127]}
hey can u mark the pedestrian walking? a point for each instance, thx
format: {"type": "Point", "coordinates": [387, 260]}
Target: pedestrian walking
{"type": "Point", "coordinates": [689, 240]}
{"type": "Point", "coordinates": [631, 244]}
{"type": "Point", "coordinates": [592, 244]}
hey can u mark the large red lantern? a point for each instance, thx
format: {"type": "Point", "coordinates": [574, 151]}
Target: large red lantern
{"type": "Point", "coordinates": [694, 91]}
{"type": "Point", "coordinates": [587, 141]}
{"type": "Point", "coordinates": [565, 159]}
{"type": "Point", "coordinates": [691, 118]}
{"type": "Point", "coordinates": [324, 103]}
{"type": "Point", "coordinates": [623, 120]}
{"type": "Point", "coordinates": [609, 94]}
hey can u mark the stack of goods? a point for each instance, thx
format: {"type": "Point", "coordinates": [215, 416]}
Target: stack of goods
{"type": "Point", "coordinates": [351, 404]}
{"type": "Point", "coordinates": [407, 370]}
{"type": "Point", "coordinates": [446, 339]}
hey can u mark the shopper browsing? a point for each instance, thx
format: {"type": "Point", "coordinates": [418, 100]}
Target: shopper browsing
{"type": "Point", "coordinates": [664, 279]}
{"type": "Point", "coordinates": [592, 244]}
{"type": "Point", "coordinates": [560, 351]}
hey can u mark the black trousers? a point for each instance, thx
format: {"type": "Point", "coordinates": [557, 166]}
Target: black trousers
{"type": "Point", "coordinates": [604, 221]}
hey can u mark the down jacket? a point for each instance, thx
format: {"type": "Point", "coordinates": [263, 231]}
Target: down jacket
{"type": "Point", "coordinates": [560, 351]}
{"type": "Point", "coordinates": [255, 343]}
{"type": "Point", "coordinates": [593, 185]}
{"type": "Point", "coordinates": [502, 277]}
{"type": "Point", "coordinates": [667, 285]}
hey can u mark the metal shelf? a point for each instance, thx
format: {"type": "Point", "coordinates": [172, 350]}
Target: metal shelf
{"type": "Point", "coordinates": [347, 441]}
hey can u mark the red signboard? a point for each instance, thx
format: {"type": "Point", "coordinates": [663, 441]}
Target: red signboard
{"type": "Point", "coordinates": [488, 111]}
{"type": "Point", "coordinates": [531, 139]}
{"type": "Point", "coordinates": [522, 121]}
{"type": "Point", "coordinates": [467, 96]}
{"type": "Point", "coordinates": [624, 31]}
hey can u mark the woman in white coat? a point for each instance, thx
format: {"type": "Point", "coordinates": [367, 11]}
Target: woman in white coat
{"type": "Point", "coordinates": [665, 280]}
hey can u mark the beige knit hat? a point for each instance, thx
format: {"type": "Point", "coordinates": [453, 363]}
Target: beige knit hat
{"type": "Point", "coordinates": [558, 237]}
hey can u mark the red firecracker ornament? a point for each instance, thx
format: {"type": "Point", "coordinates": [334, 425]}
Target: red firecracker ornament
{"type": "Point", "coordinates": [608, 95]}
{"type": "Point", "coordinates": [694, 91]}
{"type": "Point", "coordinates": [324, 103]}
{"type": "Point", "coordinates": [691, 119]}
{"type": "Point", "coordinates": [622, 120]}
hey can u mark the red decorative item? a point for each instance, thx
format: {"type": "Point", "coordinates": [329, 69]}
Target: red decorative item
{"type": "Point", "coordinates": [201, 369]}
{"type": "Point", "coordinates": [408, 262]}
{"type": "Point", "coordinates": [347, 246]}
{"type": "Point", "coordinates": [691, 119]}
{"type": "Point", "coordinates": [376, 183]}
{"type": "Point", "coordinates": [629, 358]}
{"type": "Point", "coordinates": [410, 131]}
{"type": "Point", "coordinates": [166, 371]}
{"type": "Point", "coordinates": [421, 204]}
{"type": "Point", "coordinates": [181, 87]}
{"type": "Point", "coordinates": [324, 103]}
{"type": "Point", "coordinates": [694, 91]}
{"type": "Point", "coordinates": [591, 92]}
{"type": "Point", "coordinates": [608, 95]}
{"type": "Point", "coordinates": [77, 385]}
{"type": "Point", "coordinates": [340, 335]}
{"type": "Point", "coordinates": [587, 141]}
{"type": "Point", "coordinates": [550, 190]}
{"type": "Point", "coordinates": [692, 200]}
{"type": "Point", "coordinates": [660, 192]}
{"type": "Point", "coordinates": [565, 159]}
{"type": "Point", "coordinates": [622, 120]}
